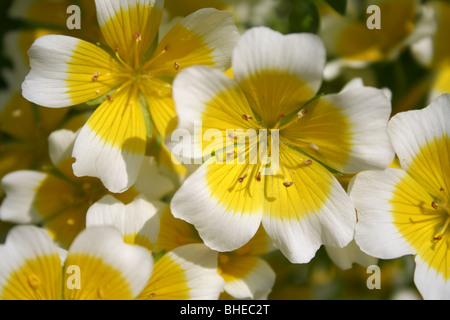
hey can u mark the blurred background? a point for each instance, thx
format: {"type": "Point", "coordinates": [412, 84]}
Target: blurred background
{"type": "Point", "coordinates": [408, 56]}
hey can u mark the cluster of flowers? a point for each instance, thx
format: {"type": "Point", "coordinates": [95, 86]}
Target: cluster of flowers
{"type": "Point", "coordinates": [115, 202]}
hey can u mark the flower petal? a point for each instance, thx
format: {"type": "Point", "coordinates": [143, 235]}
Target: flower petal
{"type": "Point", "coordinates": [206, 100]}
{"type": "Point", "coordinates": [111, 145]}
{"type": "Point", "coordinates": [421, 141]}
{"type": "Point", "coordinates": [30, 268]}
{"type": "Point", "coordinates": [67, 71]}
{"type": "Point", "coordinates": [225, 214]}
{"type": "Point", "coordinates": [433, 284]}
{"type": "Point", "coordinates": [138, 221]}
{"type": "Point", "coordinates": [205, 37]}
{"type": "Point", "coordinates": [186, 273]}
{"type": "Point", "coordinates": [109, 268]}
{"type": "Point", "coordinates": [278, 72]}
{"type": "Point", "coordinates": [391, 208]}
{"type": "Point", "coordinates": [129, 27]}
{"type": "Point", "coordinates": [246, 277]}
{"type": "Point", "coordinates": [304, 207]}
{"type": "Point", "coordinates": [346, 131]}
{"type": "Point", "coordinates": [345, 257]}
{"type": "Point", "coordinates": [20, 188]}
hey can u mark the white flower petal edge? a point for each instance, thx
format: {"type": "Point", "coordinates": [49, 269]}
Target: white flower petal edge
{"type": "Point", "coordinates": [371, 192]}
{"type": "Point", "coordinates": [431, 285]}
{"type": "Point", "coordinates": [220, 229]}
{"type": "Point", "coordinates": [45, 83]}
{"type": "Point", "coordinates": [224, 37]}
{"type": "Point", "coordinates": [369, 110]}
{"type": "Point", "coordinates": [333, 224]}
{"type": "Point", "coordinates": [200, 266]}
{"type": "Point", "coordinates": [60, 145]}
{"type": "Point", "coordinates": [408, 137]}
{"type": "Point", "coordinates": [151, 182]}
{"type": "Point", "coordinates": [261, 48]}
{"type": "Point", "coordinates": [20, 188]}
{"type": "Point", "coordinates": [345, 257]}
{"type": "Point", "coordinates": [138, 217]}
{"type": "Point", "coordinates": [106, 242]}
{"type": "Point", "coordinates": [257, 284]}
{"type": "Point", "coordinates": [117, 168]}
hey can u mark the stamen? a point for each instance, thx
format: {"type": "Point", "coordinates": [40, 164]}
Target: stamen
{"type": "Point", "coordinates": [95, 76]}
{"type": "Point", "coordinates": [122, 61]}
{"type": "Point", "coordinates": [246, 117]}
{"type": "Point", "coordinates": [308, 162]}
{"type": "Point", "coordinates": [258, 177]}
{"type": "Point", "coordinates": [176, 65]}
{"type": "Point", "coordinates": [97, 91]}
{"type": "Point", "coordinates": [288, 184]}
{"type": "Point", "coordinates": [440, 233]}
{"type": "Point", "coordinates": [109, 97]}
{"type": "Point", "coordinates": [241, 179]}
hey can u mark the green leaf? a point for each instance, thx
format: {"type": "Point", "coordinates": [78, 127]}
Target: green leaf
{"type": "Point", "coordinates": [158, 255]}
{"type": "Point", "coordinates": [304, 17]}
{"type": "Point", "coordinates": [339, 5]}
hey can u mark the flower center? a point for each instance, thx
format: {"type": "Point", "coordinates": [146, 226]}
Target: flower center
{"type": "Point", "coordinates": [443, 209]}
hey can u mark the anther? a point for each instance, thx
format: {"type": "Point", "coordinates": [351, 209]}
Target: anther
{"type": "Point", "coordinates": [246, 117]}
{"type": "Point", "coordinates": [258, 177]}
{"type": "Point", "coordinates": [308, 162]}
{"type": "Point", "coordinates": [137, 35]}
{"type": "Point", "coordinates": [176, 65]}
{"type": "Point", "coordinates": [33, 281]}
{"type": "Point", "coordinates": [301, 114]}
{"type": "Point", "coordinates": [314, 146]}
{"type": "Point", "coordinates": [241, 179]}
{"type": "Point", "coordinates": [97, 91]}
{"type": "Point", "coordinates": [434, 204]}
{"type": "Point", "coordinates": [288, 184]}
{"type": "Point", "coordinates": [109, 97]}
{"type": "Point", "coordinates": [95, 76]}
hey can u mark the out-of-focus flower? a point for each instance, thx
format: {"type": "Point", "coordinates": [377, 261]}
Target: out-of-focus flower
{"type": "Point", "coordinates": [133, 85]}
{"type": "Point", "coordinates": [98, 266]}
{"type": "Point", "coordinates": [273, 95]}
{"type": "Point", "coordinates": [59, 200]}
{"type": "Point", "coordinates": [351, 43]}
{"type": "Point", "coordinates": [188, 272]}
{"type": "Point", "coordinates": [247, 13]}
{"type": "Point", "coordinates": [434, 51]}
{"type": "Point", "coordinates": [406, 211]}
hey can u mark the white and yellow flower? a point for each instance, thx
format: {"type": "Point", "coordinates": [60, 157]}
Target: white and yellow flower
{"type": "Point", "coordinates": [406, 211]}
{"type": "Point", "coordinates": [134, 81]}
{"type": "Point", "coordinates": [302, 205]}
{"type": "Point", "coordinates": [58, 200]}
{"type": "Point", "coordinates": [97, 266]}
{"type": "Point", "coordinates": [188, 272]}
{"type": "Point", "coordinates": [245, 272]}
